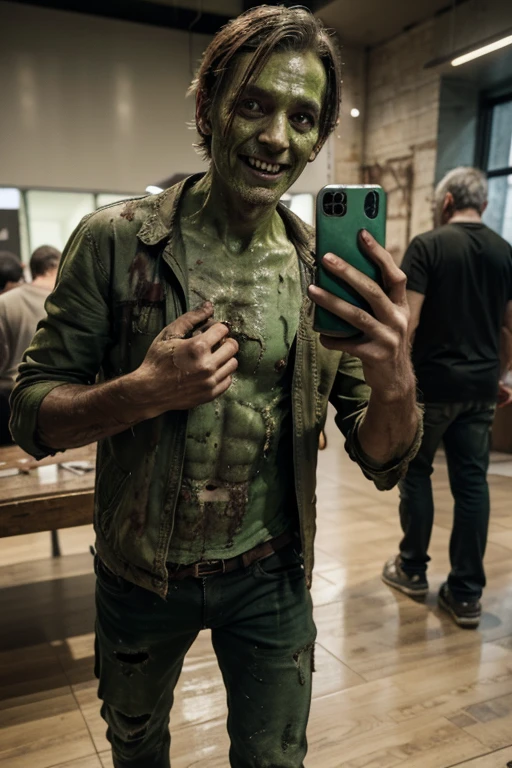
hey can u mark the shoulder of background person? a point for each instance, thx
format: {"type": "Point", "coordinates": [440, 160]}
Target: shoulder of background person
{"type": "Point", "coordinates": [11, 298]}
{"type": "Point", "coordinates": [497, 239]}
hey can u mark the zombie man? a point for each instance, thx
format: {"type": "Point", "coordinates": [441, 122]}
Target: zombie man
{"type": "Point", "coordinates": [195, 308]}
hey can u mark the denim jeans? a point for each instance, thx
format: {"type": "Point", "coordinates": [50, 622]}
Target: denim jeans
{"type": "Point", "coordinates": [263, 636]}
{"type": "Point", "coordinates": [464, 429]}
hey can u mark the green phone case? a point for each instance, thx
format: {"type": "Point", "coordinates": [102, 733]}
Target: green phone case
{"type": "Point", "coordinates": [338, 222]}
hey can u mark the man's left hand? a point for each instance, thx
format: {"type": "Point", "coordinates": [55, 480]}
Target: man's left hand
{"type": "Point", "coordinates": [384, 349]}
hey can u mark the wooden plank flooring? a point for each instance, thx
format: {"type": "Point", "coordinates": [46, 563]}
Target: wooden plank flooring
{"type": "Point", "coordinates": [398, 685]}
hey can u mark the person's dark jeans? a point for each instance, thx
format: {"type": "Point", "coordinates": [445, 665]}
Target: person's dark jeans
{"type": "Point", "coordinates": [464, 429]}
{"type": "Point", "coordinates": [263, 635]}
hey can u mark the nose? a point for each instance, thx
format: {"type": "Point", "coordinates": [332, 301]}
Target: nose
{"type": "Point", "coordinates": [275, 134]}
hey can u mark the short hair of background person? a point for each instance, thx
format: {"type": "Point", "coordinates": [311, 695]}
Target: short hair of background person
{"type": "Point", "coordinates": [11, 271]}
{"type": "Point", "coordinates": [264, 31]}
{"type": "Point", "coordinates": [44, 259]}
{"type": "Point", "coordinates": [459, 190]}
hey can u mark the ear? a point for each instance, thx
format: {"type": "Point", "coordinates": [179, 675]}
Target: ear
{"type": "Point", "coordinates": [484, 206]}
{"type": "Point", "coordinates": [448, 204]}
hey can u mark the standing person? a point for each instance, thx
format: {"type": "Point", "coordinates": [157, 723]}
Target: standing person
{"type": "Point", "coordinates": [208, 426]}
{"type": "Point", "coordinates": [20, 312]}
{"type": "Point", "coordinates": [460, 296]}
{"type": "Point", "coordinates": [11, 271]}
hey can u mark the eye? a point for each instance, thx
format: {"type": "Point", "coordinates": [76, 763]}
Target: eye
{"type": "Point", "coordinates": [251, 107]}
{"type": "Point", "coordinates": [304, 120]}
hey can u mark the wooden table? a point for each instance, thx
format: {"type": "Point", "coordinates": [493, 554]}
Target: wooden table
{"type": "Point", "coordinates": [44, 495]}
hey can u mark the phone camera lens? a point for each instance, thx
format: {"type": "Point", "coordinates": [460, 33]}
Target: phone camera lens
{"type": "Point", "coordinates": [371, 204]}
{"type": "Point", "coordinates": [334, 203]}
{"type": "Point", "coordinates": [329, 204]}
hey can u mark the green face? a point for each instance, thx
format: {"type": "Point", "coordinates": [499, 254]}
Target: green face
{"type": "Point", "coordinates": [275, 129]}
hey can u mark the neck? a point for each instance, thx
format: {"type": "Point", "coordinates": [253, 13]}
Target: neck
{"type": "Point", "coordinates": [235, 222]}
{"type": "Point", "coordinates": [44, 281]}
{"type": "Point", "coordinates": [466, 214]}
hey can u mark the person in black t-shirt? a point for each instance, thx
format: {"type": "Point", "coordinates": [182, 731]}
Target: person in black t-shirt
{"type": "Point", "coordinates": [459, 281]}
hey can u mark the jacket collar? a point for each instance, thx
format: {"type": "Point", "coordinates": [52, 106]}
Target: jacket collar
{"type": "Point", "coordinates": [164, 206]}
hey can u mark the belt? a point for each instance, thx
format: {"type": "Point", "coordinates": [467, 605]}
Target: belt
{"type": "Point", "coordinates": [211, 567]}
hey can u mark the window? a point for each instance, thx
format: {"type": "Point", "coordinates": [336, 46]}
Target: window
{"type": "Point", "coordinates": [496, 158]}
{"type": "Point", "coordinates": [33, 217]}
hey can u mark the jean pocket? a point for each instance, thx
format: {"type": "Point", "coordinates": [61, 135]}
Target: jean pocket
{"type": "Point", "coordinates": [114, 585]}
{"type": "Point", "coordinates": [286, 563]}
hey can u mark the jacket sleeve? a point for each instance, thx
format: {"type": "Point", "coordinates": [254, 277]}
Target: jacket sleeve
{"type": "Point", "coordinates": [70, 343]}
{"type": "Point", "coordinates": [350, 395]}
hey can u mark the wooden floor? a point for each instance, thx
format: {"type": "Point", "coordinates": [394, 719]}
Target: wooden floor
{"type": "Point", "coordinates": [397, 683]}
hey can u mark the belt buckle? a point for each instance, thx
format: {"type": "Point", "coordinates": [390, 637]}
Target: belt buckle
{"type": "Point", "coordinates": [208, 568]}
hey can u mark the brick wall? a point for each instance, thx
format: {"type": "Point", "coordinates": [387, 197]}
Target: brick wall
{"type": "Point", "coordinates": [395, 140]}
{"type": "Point", "coordinates": [401, 131]}
{"type": "Point", "coordinates": [348, 138]}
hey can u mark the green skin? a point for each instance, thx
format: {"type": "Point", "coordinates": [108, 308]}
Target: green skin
{"type": "Point", "coordinates": [241, 260]}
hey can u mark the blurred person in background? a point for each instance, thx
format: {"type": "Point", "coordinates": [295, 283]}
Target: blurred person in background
{"type": "Point", "coordinates": [11, 271]}
{"type": "Point", "coordinates": [460, 296]}
{"type": "Point", "coordinates": [20, 312]}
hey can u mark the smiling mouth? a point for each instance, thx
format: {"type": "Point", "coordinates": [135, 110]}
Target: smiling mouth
{"type": "Point", "coordinates": [269, 169]}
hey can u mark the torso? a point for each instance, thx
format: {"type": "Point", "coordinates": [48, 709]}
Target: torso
{"type": "Point", "coordinates": [238, 478]}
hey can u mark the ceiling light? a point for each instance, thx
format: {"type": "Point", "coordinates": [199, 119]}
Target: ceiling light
{"type": "Point", "coordinates": [474, 51]}
{"type": "Point", "coordinates": [354, 112]}
{"type": "Point", "coordinates": [482, 51]}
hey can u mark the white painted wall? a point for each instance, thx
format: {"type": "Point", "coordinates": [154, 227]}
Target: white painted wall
{"type": "Point", "coordinates": [98, 104]}
{"type": "Point", "coordinates": [92, 103]}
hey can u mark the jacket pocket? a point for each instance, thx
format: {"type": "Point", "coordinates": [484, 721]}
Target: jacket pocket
{"type": "Point", "coordinates": [110, 489]}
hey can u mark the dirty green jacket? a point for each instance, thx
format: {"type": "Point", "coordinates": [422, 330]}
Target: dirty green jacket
{"type": "Point", "coordinates": [120, 282]}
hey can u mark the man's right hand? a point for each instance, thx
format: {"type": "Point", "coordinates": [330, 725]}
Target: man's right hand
{"type": "Point", "coordinates": [181, 371]}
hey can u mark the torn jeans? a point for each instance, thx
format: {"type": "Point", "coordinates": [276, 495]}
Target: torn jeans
{"type": "Point", "coordinates": [263, 635]}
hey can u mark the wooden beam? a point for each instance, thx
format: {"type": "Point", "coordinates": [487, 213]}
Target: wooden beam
{"type": "Point", "coordinates": [46, 513]}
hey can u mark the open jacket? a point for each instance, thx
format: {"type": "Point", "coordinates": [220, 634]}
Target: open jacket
{"type": "Point", "coordinates": [120, 283]}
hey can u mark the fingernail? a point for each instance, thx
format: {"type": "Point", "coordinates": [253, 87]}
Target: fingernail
{"type": "Point", "coordinates": [330, 258]}
{"type": "Point", "coordinates": [366, 237]}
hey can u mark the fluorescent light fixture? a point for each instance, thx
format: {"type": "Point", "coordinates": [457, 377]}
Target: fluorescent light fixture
{"type": "Point", "coordinates": [354, 112]}
{"type": "Point", "coordinates": [470, 52]}
{"type": "Point", "coordinates": [152, 190]}
{"type": "Point", "coordinates": [482, 51]}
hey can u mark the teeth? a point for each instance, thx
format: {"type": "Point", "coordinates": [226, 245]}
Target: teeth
{"type": "Point", "coordinates": [268, 167]}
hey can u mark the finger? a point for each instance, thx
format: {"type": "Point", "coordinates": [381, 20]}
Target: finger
{"type": "Point", "coordinates": [225, 370]}
{"type": "Point", "coordinates": [184, 324]}
{"type": "Point", "coordinates": [224, 353]}
{"type": "Point", "coordinates": [364, 285]}
{"type": "Point", "coordinates": [393, 277]}
{"type": "Point", "coordinates": [194, 355]}
{"type": "Point", "coordinates": [353, 315]}
{"type": "Point", "coordinates": [221, 387]}
{"type": "Point", "coordinates": [204, 327]}
{"type": "Point", "coordinates": [213, 335]}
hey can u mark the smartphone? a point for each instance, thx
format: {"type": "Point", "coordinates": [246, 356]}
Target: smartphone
{"type": "Point", "coordinates": [341, 212]}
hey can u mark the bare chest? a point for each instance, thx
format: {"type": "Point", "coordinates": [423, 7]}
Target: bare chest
{"type": "Point", "coordinates": [258, 294]}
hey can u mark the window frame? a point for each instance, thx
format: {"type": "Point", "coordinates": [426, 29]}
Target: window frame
{"type": "Point", "coordinates": [487, 104]}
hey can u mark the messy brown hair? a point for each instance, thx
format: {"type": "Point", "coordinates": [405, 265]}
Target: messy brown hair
{"type": "Point", "coordinates": [265, 30]}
